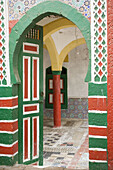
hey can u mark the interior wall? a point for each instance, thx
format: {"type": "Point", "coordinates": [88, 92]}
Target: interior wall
{"type": "Point", "coordinates": [65, 36]}
{"type": "Point", "coordinates": [76, 70]}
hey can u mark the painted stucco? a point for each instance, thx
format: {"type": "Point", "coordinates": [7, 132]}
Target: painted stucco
{"type": "Point", "coordinates": [97, 77]}
{"type": "Point", "coordinates": [110, 84]}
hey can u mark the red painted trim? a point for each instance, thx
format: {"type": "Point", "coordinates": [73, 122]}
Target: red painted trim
{"type": "Point", "coordinates": [9, 150]}
{"type": "Point", "coordinates": [98, 131]}
{"type": "Point", "coordinates": [8, 102]}
{"type": "Point", "coordinates": [110, 83]}
{"type": "Point", "coordinates": [12, 24]}
{"type": "Point", "coordinates": [25, 139]}
{"type": "Point", "coordinates": [97, 104]}
{"type": "Point", "coordinates": [8, 126]}
{"type": "Point", "coordinates": [38, 34]}
{"type": "Point", "coordinates": [30, 108]}
{"type": "Point", "coordinates": [35, 137]}
{"type": "Point", "coordinates": [56, 101]}
{"type": "Point", "coordinates": [35, 77]}
{"type": "Point", "coordinates": [15, 101]}
{"type": "Point", "coordinates": [30, 48]}
{"type": "Point", "coordinates": [98, 155]}
{"type": "Point", "coordinates": [26, 78]}
{"type": "Point", "coordinates": [35, 163]}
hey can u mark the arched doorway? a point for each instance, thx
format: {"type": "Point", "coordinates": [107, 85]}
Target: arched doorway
{"type": "Point", "coordinates": [29, 20]}
{"type": "Point", "coordinates": [22, 27]}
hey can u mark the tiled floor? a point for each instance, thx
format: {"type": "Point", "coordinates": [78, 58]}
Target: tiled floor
{"type": "Point", "coordinates": [66, 146]}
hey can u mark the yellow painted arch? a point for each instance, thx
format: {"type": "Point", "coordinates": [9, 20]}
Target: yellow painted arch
{"type": "Point", "coordinates": [57, 60]}
{"type": "Point", "coordinates": [66, 58]}
{"type": "Point", "coordinates": [44, 46]}
{"type": "Point", "coordinates": [50, 46]}
{"type": "Point", "coordinates": [68, 48]}
{"type": "Point", "coordinates": [54, 26]}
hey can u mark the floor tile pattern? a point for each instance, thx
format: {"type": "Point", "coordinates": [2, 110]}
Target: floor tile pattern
{"type": "Point", "coordinates": [66, 146]}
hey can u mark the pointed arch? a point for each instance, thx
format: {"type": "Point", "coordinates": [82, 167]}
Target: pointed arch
{"type": "Point", "coordinates": [68, 48]}
{"type": "Point", "coordinates": [34, 15]}
{"type": "Point", "coordinates": [55, 26]}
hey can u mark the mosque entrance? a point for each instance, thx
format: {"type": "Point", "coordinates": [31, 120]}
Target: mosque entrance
{"type": "Point", "coordinates": [24, 57]}
{"type": "Point", "coordinates": [57, 142]}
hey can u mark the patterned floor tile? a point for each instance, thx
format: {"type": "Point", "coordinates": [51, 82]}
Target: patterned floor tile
{"type": "Point", "coordinates": [66, 146]}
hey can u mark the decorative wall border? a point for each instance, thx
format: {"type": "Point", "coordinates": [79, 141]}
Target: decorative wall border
{"type": "Point", "coordinates": [110, 83]}
{"type": "Point", "coordinates": [99, 41]}
{"type": "Point", "coordinates": [8, 125]}
{"type": "Point", "coordinates": [4, 44]}
{"type": "Point", "coordinates": [18, 8]}
{"type": "Point", "coordinates": [98, 141]}
{"type": "Point", "coordinates": [97, 117]}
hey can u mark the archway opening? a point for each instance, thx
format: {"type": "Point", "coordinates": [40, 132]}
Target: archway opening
{"type": "Point", "coordinates": [20, 34]}
{"type": "Point", "coordinates": [67, 146]}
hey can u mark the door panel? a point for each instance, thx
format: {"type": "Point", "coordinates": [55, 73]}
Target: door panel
{"type": "Point", "coordinates": [35, 78]}
{"type": "Point", "coordinates": [26, 139]}
{"type": "Point", "coordinates": [30, 107]}
{"type": "Point", "coordinates": [35, 137]}
{"type": "Point", "coordinates": [26, 78]}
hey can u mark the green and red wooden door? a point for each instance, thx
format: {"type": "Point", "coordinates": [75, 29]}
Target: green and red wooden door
{"type": "Point", "coordinates": [49, 89]}
{"type": "Point", "coordinates": [31, 98]}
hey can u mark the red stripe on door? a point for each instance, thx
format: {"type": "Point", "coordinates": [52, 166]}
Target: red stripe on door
{"type": "Point", "coordinates": [25, 139]}
{"type": "Point", "coordinates": [98, 155]}
{"type": "Point", "coordinates": [26, 78]}
{"type": "Point", "coordinates": [35, 136]}
{"type": "Point", "coordinates": [97, 104]}
{"type": "Point", "coordinates": [35, 163]}
{"type": "Point", "coordinates": [8, 126]}
{"type": "Point", "coordinates": [35, 77]}
{"type": "Point", "coordinates": [98, 131]}
{"type": "Point", "coordinates": [30, 108]}
{"type": "Point", "coordinates": [9, 150]}
{"type": "Point", "coordinates": [30, 48]}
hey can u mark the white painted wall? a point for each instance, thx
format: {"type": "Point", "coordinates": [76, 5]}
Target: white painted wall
{"type": "Point", "coordinates": [76, 68]}
{"type": "Point", "coordinates": [64, 36]}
